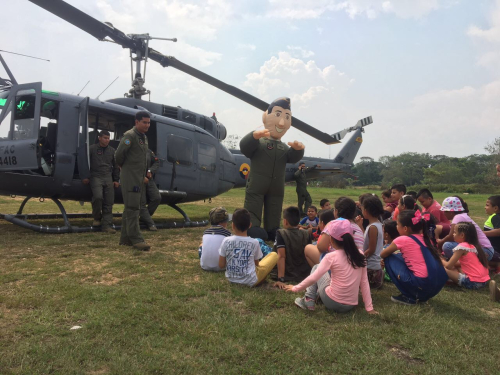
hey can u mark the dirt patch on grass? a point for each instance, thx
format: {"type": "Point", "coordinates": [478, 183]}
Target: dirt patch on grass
{"type": "Point", "coordinates": [405, 355]}
{"type": "Point", "coordinates": [495, 313]}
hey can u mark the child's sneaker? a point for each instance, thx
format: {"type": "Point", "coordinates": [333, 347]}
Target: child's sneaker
{"type": "Point", "coordinates": [494, 292]}
{"type": "Point", "coordinates": [305, 304]}
{"type": "Point", "coordinates": [403, 300]}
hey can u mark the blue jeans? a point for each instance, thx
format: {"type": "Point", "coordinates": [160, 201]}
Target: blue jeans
{"type": "Point", "coordinates": [449, 246]}
{"type": "Point", "coordinates": [464, 281]}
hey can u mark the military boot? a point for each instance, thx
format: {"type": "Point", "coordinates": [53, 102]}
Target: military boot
{"type": "Point", "coordinates": [142, 246]}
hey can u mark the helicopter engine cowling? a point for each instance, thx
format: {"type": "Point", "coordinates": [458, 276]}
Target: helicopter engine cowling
{"type": "Point", "coordinates": [221, 131]}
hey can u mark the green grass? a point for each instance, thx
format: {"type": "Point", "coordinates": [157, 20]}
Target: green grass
{"type": "Point", "coordinates": [159, 313]}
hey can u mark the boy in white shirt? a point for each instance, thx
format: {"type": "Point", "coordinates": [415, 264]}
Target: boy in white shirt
{"type": "Point", "coordinates": [212, 239]}
{"type": "Point", "coordinates": [240, 254]}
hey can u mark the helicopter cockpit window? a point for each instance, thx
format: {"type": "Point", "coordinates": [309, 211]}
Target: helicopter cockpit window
{"type": "Point", "coordinates": [207, 157]}
{"type": "Point", "coordinates": [5, 125]}
{"type": "Point", "coordinates": [179, 150]}
{"type": "Point", "coordinates": [24, 117]}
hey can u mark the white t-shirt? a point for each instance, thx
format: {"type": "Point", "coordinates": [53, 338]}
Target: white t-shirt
{"type": "Point", "coordinates": [212, 239]}
{"type": "Point", "coordinates": [240, 254]}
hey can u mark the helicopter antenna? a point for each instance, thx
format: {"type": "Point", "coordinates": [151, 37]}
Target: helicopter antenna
{"type": "Point", "coordinates": [106, 87]}
{"type": "Point", "coordinates": [20, 54]}
{"type": "Point", "coordinates": [83, 88]}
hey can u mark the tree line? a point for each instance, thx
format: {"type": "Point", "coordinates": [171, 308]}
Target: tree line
{"type": "Point", "coordinates": [413, 169]}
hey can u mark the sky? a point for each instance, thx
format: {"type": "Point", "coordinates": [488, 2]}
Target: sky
{"type": "Point", "coordinates": [426, 70]}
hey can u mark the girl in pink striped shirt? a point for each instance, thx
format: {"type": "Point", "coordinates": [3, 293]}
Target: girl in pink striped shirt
{"type": "Point", "coordinates": [348, 275]}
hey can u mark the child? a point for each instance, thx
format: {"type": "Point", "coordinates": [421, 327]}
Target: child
{"type": "Point", "coordinates": [311, 252]}
{"type": "Point", "coordinates": [456, 210]}
{"type": "Point", "coordinates": [417, 271]}
{"type": "Point", "coordinates": [468, 266]}
{"type": "Point", "coordinates": [492, 227]}
{"type": "Point", "coordinates": [406, 202]}
{"type": "Point", "coordinates": [239, 254]}
{"type": "Point", "coordinates": [345, 208]}
{"type": "Point", "coordinates": [425, 198]}
{"type": "Point", "coordinates": [390, 231]}
{"type": "Point", "coordinates": [397, 191]}
{"type": "Point", "coordinates": [347, 265]}
{"type": "Point", "coordinates": [289, 244]}
{"type": "Point", "coordinates": [389, 204]}
{"type": "Point", "coordinates": [212, 239]}
{"type": "Point", "coordinates": [311, 220]}
{"type": "Point", "coordinates": [325, 204]}
{"type": "Point", "coordinates": [374, 240]}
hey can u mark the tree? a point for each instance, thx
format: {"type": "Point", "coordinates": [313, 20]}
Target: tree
{"type": "Point", "coordinates": [368, 171]}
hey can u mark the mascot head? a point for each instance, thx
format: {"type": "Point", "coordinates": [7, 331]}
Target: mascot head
{"type": "Point", "coordinates": [278, 117]}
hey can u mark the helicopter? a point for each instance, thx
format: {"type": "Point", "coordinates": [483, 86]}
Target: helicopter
{"type": "Point", "coordinates": [45, 136]}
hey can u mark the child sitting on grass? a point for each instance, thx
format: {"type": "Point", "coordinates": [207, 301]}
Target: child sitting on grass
{"type": "Point", "coordinates": [240, 254]}
{"type": "Point", "coordinates": [492, 229]}
{"type": "Point", "coordinates": [468, 266]}
{"type": "Point", "coordinates": [457, 210]}
{"type": "Point", "coordinates": [390, 231]}
{"type": "Point", "coordinates": [417, 271]}
{"type": "Point", "coordinates": [325, 204]}
{"type": "Point", "coordinates": [397, 192]}
{"type": "Point", "coordinates": [347, 266]}
{"type": "Point", "coordinates": [374, 240]}
{"type": "Point", "coordinates": [212, 239]}
{"type": "Point", "coordinates": [310, 222]}
{"type": "Point", "coordinates": [311, 252]}
{"type": "Point", "coordinates": [289, 245]}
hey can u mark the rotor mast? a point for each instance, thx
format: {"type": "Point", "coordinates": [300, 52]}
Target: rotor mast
{"type": "Point", "coordinates": [141, 54]}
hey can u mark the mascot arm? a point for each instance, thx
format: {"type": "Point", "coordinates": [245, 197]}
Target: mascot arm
{"type": "Point", "coordinates": [248, 145]}
{"type": "Point", "coordinates": [294, 156]}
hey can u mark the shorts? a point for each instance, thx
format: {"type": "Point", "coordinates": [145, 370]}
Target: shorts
{"type": "Point", "coordinates": [464, 281]}
{"type": "Point", "coordinates": [375, 278]}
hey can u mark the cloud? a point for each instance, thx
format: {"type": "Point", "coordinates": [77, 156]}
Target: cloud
{"type": "Point", "coordinates": [311, 9]}
{"type": "Point", "coordinates": [250, 47]}
{"type": "Point", "coordinates": [300, 51]}
{"type": "Point", "coordinates": [493, 33]}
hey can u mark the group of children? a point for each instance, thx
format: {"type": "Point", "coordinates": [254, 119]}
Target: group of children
{"type": "Point", "coordinates": [336, 253]}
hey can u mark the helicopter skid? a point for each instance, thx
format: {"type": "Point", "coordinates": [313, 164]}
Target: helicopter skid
{"type": "Point", "coordinates": [21, 220]}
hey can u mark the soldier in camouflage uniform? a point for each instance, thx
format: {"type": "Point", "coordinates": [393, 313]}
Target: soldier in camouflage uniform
{"type": "Point", "coordinates": [150, 194]}
{"type": "Point", "coordinates": [104, 177]}
{"type": "Point", "coordinates": [268, 155]}
{"type": "Point", "coordinates": [302, 193]}
{"type": "Point", "coordinates": [131, 156]}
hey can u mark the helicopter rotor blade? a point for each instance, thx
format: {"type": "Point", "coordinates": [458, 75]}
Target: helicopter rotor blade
{"type": "Point", "coordinates": [85, 22]}
{"type": "Point", "coordinates": [101, 30]}
{"type": "Point", "coordinates": [171, 61]}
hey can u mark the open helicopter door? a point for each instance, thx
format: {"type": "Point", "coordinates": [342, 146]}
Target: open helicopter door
{"type": "Point", "coordinates": [83, 139]}
{"type": "Point", "coordinates": [19, 127]}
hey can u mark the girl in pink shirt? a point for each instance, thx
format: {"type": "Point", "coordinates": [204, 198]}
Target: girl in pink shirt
{"type": "Point", "coordinates": [468, 266]}
{"type": "Point", "coordinates": [348, 275]}
{"type": "Point", "coordinates": [417, 270]}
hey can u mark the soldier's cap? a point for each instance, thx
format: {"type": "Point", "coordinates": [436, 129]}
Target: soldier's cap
{"type": "Point", "coordinates": [282, 102]}
{"type": "Point", "coordinates": [218, 215]}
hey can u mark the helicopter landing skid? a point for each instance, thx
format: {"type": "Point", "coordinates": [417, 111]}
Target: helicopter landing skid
{"type": "Point", "coordinates": [21, 220]}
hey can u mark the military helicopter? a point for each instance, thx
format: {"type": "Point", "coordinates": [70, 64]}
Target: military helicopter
{"type": "Point", "coordinates": [45, 135]}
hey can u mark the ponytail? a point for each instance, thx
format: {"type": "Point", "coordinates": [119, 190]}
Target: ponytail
{"type": "Point", "coordinates": [355, 258]}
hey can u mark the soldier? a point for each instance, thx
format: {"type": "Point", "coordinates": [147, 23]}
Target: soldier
{"type": "Point", "coordinates": [150, 194]}
{"type": "Point", "coordinates": [131, 156]}
{"type": "Point", "coordinates": [268, 156]}
{"type": "Point", "coordinates": [302, 193]}
{"type": "Point", "coordinates": [104, 176]}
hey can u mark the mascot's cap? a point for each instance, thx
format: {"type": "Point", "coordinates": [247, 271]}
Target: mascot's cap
{"type": "Point", "coordinates": [218, 215]}
{"type": "Point", "coordinates": [282, 102]}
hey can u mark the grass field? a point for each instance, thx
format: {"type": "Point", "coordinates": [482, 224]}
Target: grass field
{"type": "Point", "coordinates": [159, 313]}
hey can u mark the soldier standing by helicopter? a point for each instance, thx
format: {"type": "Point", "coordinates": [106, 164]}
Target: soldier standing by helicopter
{"type": "Point", "coordinates": [303, 195]}
{"type": "Point", "coordinates": [131, 156]}
{"type": "Point", "coordinates": [150, 194]}
{"type": "Point", "coordinates": [104, 176]}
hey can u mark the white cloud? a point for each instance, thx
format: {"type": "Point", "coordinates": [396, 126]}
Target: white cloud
{"type": "Point", "coordinates": [310, 9]}
{"type": "Point", "coordinates": [250, 47]}
{"type": "Point", "coordinates": [300, 51]}
{"type": "Point", "coordinates": [493, 33]}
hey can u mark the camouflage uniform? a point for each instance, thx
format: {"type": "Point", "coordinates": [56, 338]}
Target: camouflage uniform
{"type": "Point", "coordinates": [302, 193]}
{"type": "Point", "coordinates": [150, 192]}
{"type": "Point", "coordinates": [103, 172]}
{"type": "Point", "coordinates": [131, 155]}
{"type": "Point", "coordinates": [266, 181]}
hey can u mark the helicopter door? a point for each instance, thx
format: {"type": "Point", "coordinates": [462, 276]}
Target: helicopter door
{"type": "Point", "coordinates": [19, 126]}
{"type": "Point", "coordinates": [83, 139]}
